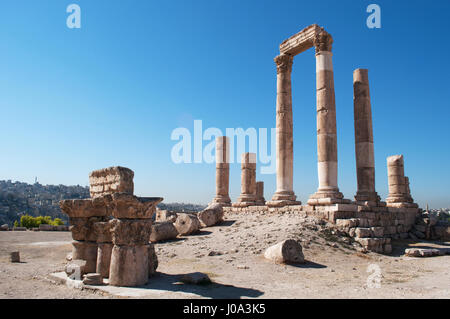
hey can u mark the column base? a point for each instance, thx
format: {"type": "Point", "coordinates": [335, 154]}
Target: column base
{"type": "Point", "coordinates": [245, 200]}
{"type": "Point", "coordinates": [222, 200]}
{"type": "Point", "coordinates": [283, 198]}
{"type": "Point", "coordinates": [368, 199]}
{"type": "Point", "coordinates": [325, 197]}
{"type": "Point", "coordinates": [400, 201]}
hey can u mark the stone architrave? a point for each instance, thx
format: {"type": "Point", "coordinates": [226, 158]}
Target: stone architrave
{"type": "Point", "coordinates": [364, 147]}
{"type": "Point", "coordinates": [248, 181]}
{"type": "Point", "coordinates": [222, 171]}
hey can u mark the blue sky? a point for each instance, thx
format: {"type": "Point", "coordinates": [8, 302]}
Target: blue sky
{"type": "Point", "coordinates": [112, 92]}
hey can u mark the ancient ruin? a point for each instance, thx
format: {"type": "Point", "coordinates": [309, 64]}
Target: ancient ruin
{"type": "Point", "coordinates": [111, 230]}
{"type": "Point", "coordinates": [370, 221]}
{"type": "Point", "coordinates": [222, 171]}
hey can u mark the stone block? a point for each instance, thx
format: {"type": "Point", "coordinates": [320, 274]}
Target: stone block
{"type": "Point", "coordinates": [377, 231]}
{"type": "Point", "coordinates": [211, 215]}
{"type": "Point", "coordinates": [124, 205]}
{"type": "Point", "coordinates": [187, 224]}
{"type": "Point", "coordinates": [165, 216]}
{"type": "Point", "coordinates": [288, 251]}
{"type": "Point", "coordinates": [361, 232]}
{"type": "Point", "coordinates": [111, 180]}
{"type": "Point", "coordinates": [84, 208]}
{"type": "Point", "coordinates": [131, 231]}
{"type": "Point", "coordinates": [163, 231]}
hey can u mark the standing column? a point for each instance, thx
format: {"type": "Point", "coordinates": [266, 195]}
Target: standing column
{"type": "Point", "coordinates": [248, 181]}
{"type": "Point", "coordinates": [398, 183]}
{"type": "Point", "coordinates": [328, 191]}
{"type": "Point", "coordinates": [260, 200]}
{"type": "Point", "coordinates": [364, 150]}
{"type": "Point", "coordinates": [284, 194]}
{"type": "Point", "coordinates": [222, 171]}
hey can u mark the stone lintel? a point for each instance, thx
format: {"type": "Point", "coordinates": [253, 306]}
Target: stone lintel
{"type": "Point", "coordinates": [300, 41]}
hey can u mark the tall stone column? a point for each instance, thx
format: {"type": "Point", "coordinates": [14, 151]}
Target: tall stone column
{"type": "Point", "coordinates": [284, 194]}
{"type": "Point", "coordinates": [222, 171]}
{"type": "Point", "coordinates": [364, 150]}
{"type": "Point", "coordinates": [248, 181]}
{"type": "Point", "coordinates": [399, 193]}
{"type": "Point", "coordinates": [328, 191]}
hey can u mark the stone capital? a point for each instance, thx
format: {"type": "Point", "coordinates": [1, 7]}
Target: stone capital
{"type": "Point", "coordinates": [284, 63]}
{"type": "Point", "coordinates": [323, 42]}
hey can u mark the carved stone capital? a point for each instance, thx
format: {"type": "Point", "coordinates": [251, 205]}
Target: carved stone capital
{"type": "Point", "coordinates": [323, 41]}
{"type": "Point", "coordinates": [284, 63]}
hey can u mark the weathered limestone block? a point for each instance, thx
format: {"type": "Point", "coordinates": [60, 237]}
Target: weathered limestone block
{"type": "Point", "coordinates": [111, 180]}
{"type": "Point", "coordinates": [123, 205]}
{"type": "Point", "coordinates": [83, 228]}
{"type": "Point", "coordinates": [187, 224]}
{"type": "Point", "coordinates": [288, 251]}
{"type": "Point", "coordinates": [93, 279]}
{"type": "Point", "coordinates": [129, 266]}
{"type": "Point", "coordinates": [211, 215]}
{"type": "Point", "coordinates": [363, 232]}
{"type": "Point", "coordinates": [163, 231]}
{"type": "Point", "coordinates": [84, 208]}
{"type": "Point", "coordinates": [165, 216]}
{"type": "Point", "coordinates": [75, 269]}
{"type": "Point", "coordinates": [86, 251]}
{"type": "Point", "coordinates": [131, 231]}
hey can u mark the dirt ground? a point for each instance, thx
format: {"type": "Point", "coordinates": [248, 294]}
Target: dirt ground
{"type": "Point", "coordinates": [232, 255]}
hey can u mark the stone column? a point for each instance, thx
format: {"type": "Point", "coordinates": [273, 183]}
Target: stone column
{"type": "Point", "coordinates": [222, 171]}
{"type": "Point", "coordinates": [105, 246]}
{"type": "Point", "coordinates": [248, 181]}
{"type": "Point", "coordinates": [328, 191]}
{"type": "Point", "coordinates": [284, 194]}
{"type": "Point", "coordinates": [260, 200]}
{"type": "Point", "coordinates": [398, 184]}
{"type": "Point", "coordinates": [131, 257]}
{"type": "Point", "coordinates": [364, 150]}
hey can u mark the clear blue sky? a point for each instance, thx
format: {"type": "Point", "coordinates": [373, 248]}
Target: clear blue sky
{"type": "Point", "coordinates": [111, 93]}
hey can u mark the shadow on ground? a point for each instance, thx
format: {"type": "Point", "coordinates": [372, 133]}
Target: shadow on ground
{"type": "Point", "coordinates": [173, 283]}
{"type": "Point", "coordinates": [308, 264]}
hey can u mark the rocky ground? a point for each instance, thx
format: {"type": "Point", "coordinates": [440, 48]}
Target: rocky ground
{"type": "Point", "coordinates": [231, 254]}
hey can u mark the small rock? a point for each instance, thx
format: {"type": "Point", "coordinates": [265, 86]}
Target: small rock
{"type": "Point", "coordinates": [196, 278]}
{"type": "Point", "coordinates": [75, 269]}
{"type": "Point", "coordinates": [69, 257]}
{"type": "Point", "coordinates": [243, 267]}
{"type": "Point", "coordinates": [15, 257]}
{"type": "Point", "coordinates": [214, 253]}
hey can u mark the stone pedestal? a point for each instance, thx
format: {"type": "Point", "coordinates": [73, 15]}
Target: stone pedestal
{"type": "Point", "coordinates": [284, 194]}
{"type": "Point", "coordinates": [222, 171]}
{"type": "Point", "coordinates": [364, 148]}
{"type": "Point", "coordinates": [328, 191]}
{"type": "Point", "coordinates": [248, 181]}
{"type": "Point", "coordinates": [399, 195]}
{"type": "Point", "coordinates": [131, 229]}
{"type": "Point", "coordinates": [260, 200]}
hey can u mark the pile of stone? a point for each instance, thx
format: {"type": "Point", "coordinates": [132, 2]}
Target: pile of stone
{"type": "Point", "coordinates": [428, 226]}
{"type": "Point", "coordinates": [170, 225]}
{"type": "Point", "coordinates": [111, 230]}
